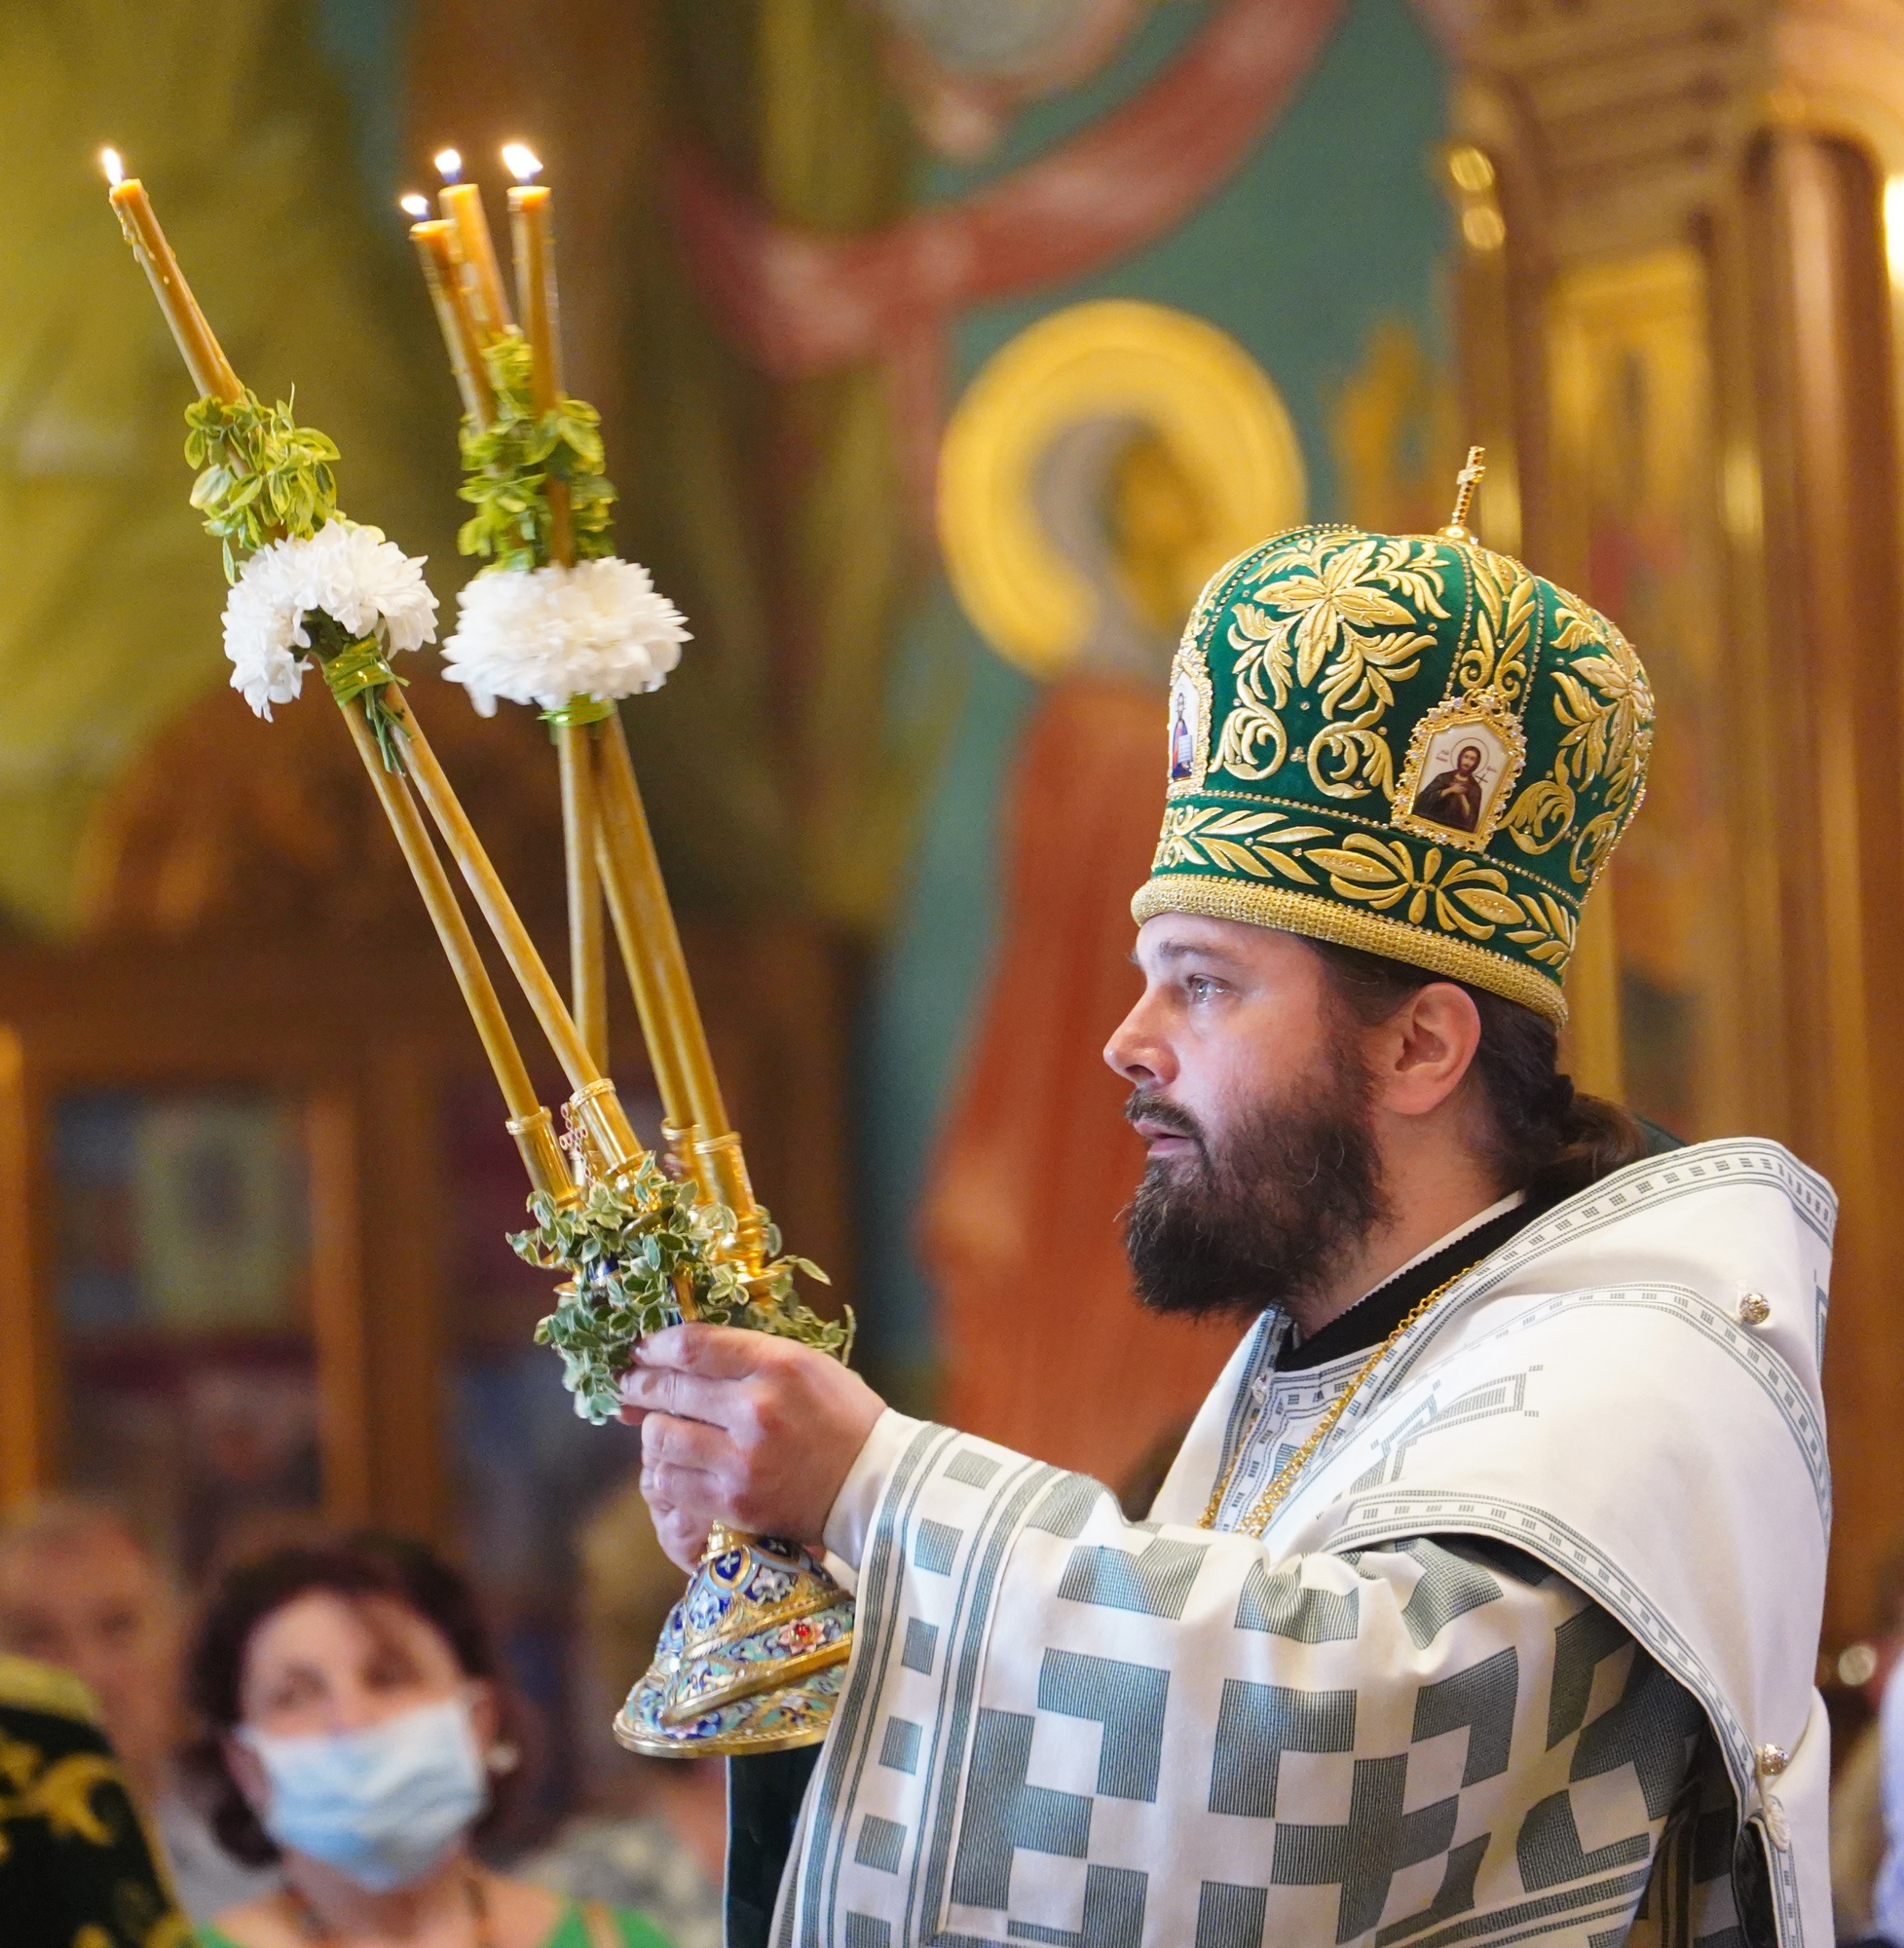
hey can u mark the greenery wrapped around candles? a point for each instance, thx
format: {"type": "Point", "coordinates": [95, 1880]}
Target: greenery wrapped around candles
{"type": "Point", "coordinates": [625, 1252]}
{"type": "Point", "coordinates": [509, 463]}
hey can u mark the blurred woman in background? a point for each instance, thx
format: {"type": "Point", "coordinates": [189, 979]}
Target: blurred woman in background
{"type": "Point", "coordinates": [355, 1727]}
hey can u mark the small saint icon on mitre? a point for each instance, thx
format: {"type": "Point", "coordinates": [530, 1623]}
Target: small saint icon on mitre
{"type": "Point", "coordinates": [1455, 797]}
{"type": "Point", "coordinates": [1463, 760]}
{"type": "Point", "coordinates": [1187, 720]}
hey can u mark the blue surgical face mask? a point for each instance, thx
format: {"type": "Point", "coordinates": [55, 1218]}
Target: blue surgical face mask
{"type": "Point", "coordinates": [383, 1804]}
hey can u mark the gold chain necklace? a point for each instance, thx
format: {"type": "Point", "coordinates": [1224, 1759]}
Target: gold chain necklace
{"type": "Point", "coordinates": [1276, 1492]}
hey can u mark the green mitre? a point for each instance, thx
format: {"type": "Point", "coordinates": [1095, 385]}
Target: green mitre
{"type": "Point", "coordinates": [1402, 744]}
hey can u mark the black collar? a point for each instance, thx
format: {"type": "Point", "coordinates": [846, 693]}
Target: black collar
{"type": "Point", "coordinates": [1370, 1319]}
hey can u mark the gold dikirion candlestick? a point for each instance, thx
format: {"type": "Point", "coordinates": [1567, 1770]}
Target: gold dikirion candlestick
{"type": "Point", "coordinates": [592, 1108]}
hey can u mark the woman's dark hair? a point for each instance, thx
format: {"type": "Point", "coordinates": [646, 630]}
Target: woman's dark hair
{"type": "Point", "coordinates": [367, 1564]}
{"type": "Point", "coordinates": [1544, 1135]}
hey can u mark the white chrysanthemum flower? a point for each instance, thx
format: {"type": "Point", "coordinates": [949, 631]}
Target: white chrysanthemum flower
{"type": "Point", "coordinates": [598, 629]}
{"type": "Point", "coordinates": [366, 584]}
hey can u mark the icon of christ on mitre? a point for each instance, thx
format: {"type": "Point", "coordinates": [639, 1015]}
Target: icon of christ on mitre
{"type": "Point", "coordinates": [1479, 1603]}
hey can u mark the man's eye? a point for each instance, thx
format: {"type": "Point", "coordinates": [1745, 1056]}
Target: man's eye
{"type": "Point", "coordinates": [1200, 987]}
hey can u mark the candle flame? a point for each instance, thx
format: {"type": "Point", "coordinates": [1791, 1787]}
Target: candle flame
{"type": "Point", "coordinates": [522, 160]}
{"type": "Point", "coordinates": [449, 165]}
{"type": "Point", "coordinates": [413, 205]}
{"type": "Point", "coordinates": [115, 169]}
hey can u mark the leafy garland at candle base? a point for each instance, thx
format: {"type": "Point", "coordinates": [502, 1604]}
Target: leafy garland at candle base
{"type": "Point", "coordinates": [510, 464]}
{"type": "Point", "coordinates": [262, 477]}
{"type": "Point", "coordinates": [623, 1250]}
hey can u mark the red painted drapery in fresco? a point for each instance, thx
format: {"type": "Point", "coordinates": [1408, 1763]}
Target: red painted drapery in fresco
{"type": "Point", "coordinates": [808, 301]}
{"type": "Point", "coordinates": [1045, 1348]}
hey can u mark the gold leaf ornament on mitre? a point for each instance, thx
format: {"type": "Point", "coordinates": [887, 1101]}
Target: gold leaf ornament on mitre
{"type": "Point", "coordinates": [1443, 747]}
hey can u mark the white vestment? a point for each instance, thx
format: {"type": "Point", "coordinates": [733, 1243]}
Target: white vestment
{"type": "Point", "coordinates": [1428, 1706]}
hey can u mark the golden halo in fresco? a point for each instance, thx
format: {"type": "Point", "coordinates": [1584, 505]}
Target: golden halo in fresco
{"type": "Point", "coordinates": [1111, 457]}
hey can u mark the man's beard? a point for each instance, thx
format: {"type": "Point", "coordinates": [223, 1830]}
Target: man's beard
{"type": "Point", "coordinates": [1266, 1216]}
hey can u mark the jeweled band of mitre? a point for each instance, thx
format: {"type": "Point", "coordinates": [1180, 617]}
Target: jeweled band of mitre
{"type": "Point", "coordinates": [1401, 743]}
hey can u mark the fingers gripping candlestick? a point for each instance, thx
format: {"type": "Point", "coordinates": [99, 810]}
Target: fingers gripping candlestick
{"type": "Point", "coordinates": [752, 1658]}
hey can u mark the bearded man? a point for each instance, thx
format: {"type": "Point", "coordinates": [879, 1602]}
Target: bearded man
{"type": "Point", "coordinates": [1482, 1601]}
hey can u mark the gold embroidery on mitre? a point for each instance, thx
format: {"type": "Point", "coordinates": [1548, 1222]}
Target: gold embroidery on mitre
{"type": "Point", "coordinates": [1256, 843]}
{"type": "Point", "coordinates": [1604, 706]}
{"type": "Point", "coordinates": [1331, 618]}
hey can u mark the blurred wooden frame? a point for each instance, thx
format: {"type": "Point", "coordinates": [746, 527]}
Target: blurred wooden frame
{"type": "Point", "coordinates": [188, 1017]}
{"type": "Point", "coordinates": [1717, 190]}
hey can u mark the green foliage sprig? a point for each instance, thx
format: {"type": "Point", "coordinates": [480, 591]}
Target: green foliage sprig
{"type": "Point", "coordinates": [511, 463]}
{"type": "Point", "coordinates": [260, 473]}
{"type": "Point", "coordinates": [355, 667]}
{"type": "Point", "coordinates": [261, 477]}
{"type": "Point", "coordinates": [623, 1250]}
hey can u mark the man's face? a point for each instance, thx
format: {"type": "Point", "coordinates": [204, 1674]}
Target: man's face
{"type": "Point", "coordinates": [1249, 1091]}
{"type": "Point", "coordinates": [94, 1603]}
{"type": "Point", "coordinates": [1468, 762]}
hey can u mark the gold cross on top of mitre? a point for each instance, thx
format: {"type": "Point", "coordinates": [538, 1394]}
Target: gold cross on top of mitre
{"type": "Point", "coordinates": [1465, 484]}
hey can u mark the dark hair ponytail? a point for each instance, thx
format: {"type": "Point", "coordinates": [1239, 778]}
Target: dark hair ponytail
{"type": "Point", "coordinates": [1545, 1137]}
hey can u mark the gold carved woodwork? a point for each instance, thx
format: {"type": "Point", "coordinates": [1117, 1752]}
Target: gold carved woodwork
{"type": "Point", "coordinates": [1679, 328]}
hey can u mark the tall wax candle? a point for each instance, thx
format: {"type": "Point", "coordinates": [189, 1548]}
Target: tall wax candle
{"type": "Point", "coordinates": [205, 360]}
{"type": "Point", "coordinates": [532, 226]}
{"type": "Point", "coordinates": [462, 208]}
{"type": "Point", "coordinates": [432, 239]}
{"type": "Point", "coordinates": [531, 217]}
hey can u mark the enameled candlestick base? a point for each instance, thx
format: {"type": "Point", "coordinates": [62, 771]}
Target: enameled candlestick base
{"type": "Point", "coordinates": [751, 1660]}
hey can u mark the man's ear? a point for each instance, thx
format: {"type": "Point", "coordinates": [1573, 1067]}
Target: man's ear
{"type": "Point", "coordinates": [1425, 1048]}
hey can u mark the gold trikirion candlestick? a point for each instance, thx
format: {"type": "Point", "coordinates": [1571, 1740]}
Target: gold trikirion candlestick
{"type": "Point", "coordinates": [664, 996]}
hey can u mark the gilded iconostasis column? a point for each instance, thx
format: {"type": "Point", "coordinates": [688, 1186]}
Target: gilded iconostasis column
{"type": "Point", "coordinates": [1678, 305]}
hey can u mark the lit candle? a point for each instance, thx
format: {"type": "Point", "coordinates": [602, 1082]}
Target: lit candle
{"type": "Point", "coordinates": [210, 371]}
{"type": "Point", "coordinates": [531, 223]}
{"type": "Point", "coordinates": [432, 236]}
{"type": "Point", "coordinates": [533, 237]}
{"type": "Point", "coordinates": [481, 279]}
